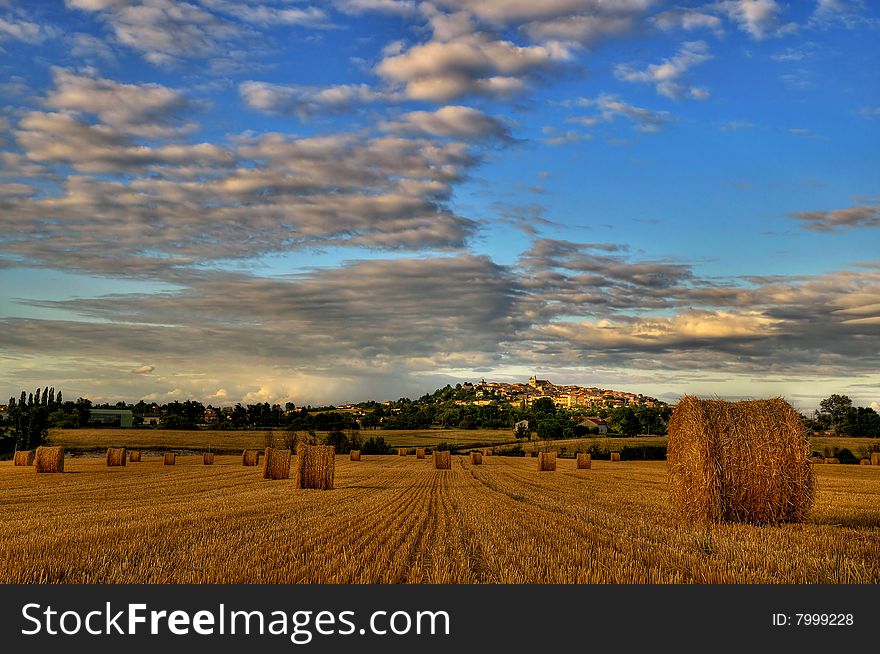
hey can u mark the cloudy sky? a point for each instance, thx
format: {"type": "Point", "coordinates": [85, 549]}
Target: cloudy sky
{"type": "Point", "coordinates": [273, 200]}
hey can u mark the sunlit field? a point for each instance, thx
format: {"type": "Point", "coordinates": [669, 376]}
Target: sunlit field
{"type": "Point", "coordinates": [231, 440]}
{"type": "Point", "coordinates": [397, 520]}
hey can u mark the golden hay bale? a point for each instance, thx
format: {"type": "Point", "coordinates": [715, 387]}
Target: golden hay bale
{"type": "Point", "coordinates": [315, 465]}
{"type": "Point", "coordinates": [546, 461]}
{"type": "Point", "coordinates": [208, 458]}
{"type": "Point", "coordinates": [477, 458]}
{"type": "Point", "coordinates": [401, 451]}
{"type": "Point", "coordinates": [355, 455]}
{"type": "Point", "coordinates": [831, 460]}
{"type": "Point", "coordinates": [134, 456]}
{"type": "Point", "coordinates": [442, 460]}
{"type": "Point", "coordinates": [615, 456]}
{"type": "Point", "coordinates": [276, 464]}
{"type": "Point", "coordinates": [49, 459]}
{"type": "Point", "coordinates": [875, 458]}
{"type": "Point", "coordinates": [817, 459]}
{"type": "Point", "coordinates": [739, 461]}
{"type": "Point", "coordinates": [584, 461]}
{"type": "Point", "coordinates": [115, 456]}
{"type": "Point", "coordinates": [865, 462]}
{"type": "Point", "coordinates": [250, 457]}
{"type": "Point", "coordinates": [420, 452]}
{"type": "Point", "coordinates": [23, 458]}
{"type": "Point", "coordinates": [487, 452]}
{"type": "Point", "coordinates": [170, 458]}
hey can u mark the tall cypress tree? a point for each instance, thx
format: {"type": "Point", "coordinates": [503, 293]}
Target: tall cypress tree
{"type": "Point", "coordinates": [45, 401]}
{"type": "Point", "coordinates": [51, 396]}
{"type": "Point", "coordinates": [23, 399]}
{"type": "Point", "coordinates": [30, 399]}
{"type": "Point", "coordinates": [11, 402]}
{"type": "Point", "coordinates": [58, 399]}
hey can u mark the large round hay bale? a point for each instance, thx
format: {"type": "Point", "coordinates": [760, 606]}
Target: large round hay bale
{"type": "Point", "coordinates": [739, 461]}
{"type": "Point", "coordinates": [477, 458]}
{"type": "Point", "coordinates": [875, 458]}
{"type": "Point", "coordinates": [442, 460]}
{"type": "Point", "coordinates": [420, 452]}
{"type": "Point", "coordinates": [546, 461]}
{"type": "Point", "coordinates": [830, 460]}
{"type": "Point", "coordinates": [23, 458]}
{"type": "Point", "coordinates": [315, 466]}
{"type": "Point", "coordinates": [134, 456]}
{"type": "Point", "coordinates": [276, 464]}
{"type": "Point", "coordinates": [116, 456]}
{"type": "Point", "coordinates": [864, 462]}
{"type": "Point", "coordinates": [355, 455]}
{"type": "Point", "coordinates": [487, 451]}
{"type": "Point", "coordinates": [615, 456]}
{"type": "Point", "coordinates": [49, 459]}
{"type": "Point", "coordinates": [170, 458]}
{"type": "Point", "coordinates": [401, 451]}
{"type": "Point", "coordinates": [584, 461]}
{"type": "Point", "coordinates": [250, 457]}
{"type": "Point", "coordinates": [208, 458]}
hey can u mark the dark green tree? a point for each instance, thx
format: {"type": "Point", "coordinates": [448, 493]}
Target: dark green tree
{"type": "Point", "coordinates": [834, 409]}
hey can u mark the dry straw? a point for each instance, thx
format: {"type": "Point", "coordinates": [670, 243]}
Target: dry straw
{"type": "Point", "coordinates": [420, 452]}
{"type": "Point", "coordinates": [208, 458]}
{"type": "Point", "coordinates": [476, 458]}
{"type": "Point", "coordinates": [315, 465]}
{"type": "Point", "coordinates": [831, 460]}
{"type": "Point", "coordinates": [875, 458]}
{"type": "Point", "coordinates": [615, 456]}
{"type": "Point", "coordinates": [584, 461]}
{"type": "Point", "coordinates": [49, 459]}
{"type": "Point", "coordinates": [546, 461]}
{"type": "Point", "coordinates": [250, 457]}
{"type": "Point", "coordinates": [23, 458]}
{"type": "Point", "coordinates": [134, 456]}
{"type": "Point", "coordinates": [401, 451]}
{"type": "Point", "coordinates": [442, 460]}
{"type": "Point", "coordinates": [115, 456]}
{"type": "Point", "coordinates": [739, 462]}
{"type": "Point", "coordinates": [170, 458]}
{"type": "Point", "coordinates": [355, 455]}
{"type": "Point", "coordinates": [276, 464]}
{"type": "Point", "coordinates": [865, 462]}
{"type": "Point", "coordinates": [487, 452]}
{"type": "Point", "coordinates": [817, 459]}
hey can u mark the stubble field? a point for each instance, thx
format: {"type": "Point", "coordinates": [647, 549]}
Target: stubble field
{"type": "Point", "coordinates": [397, 520]}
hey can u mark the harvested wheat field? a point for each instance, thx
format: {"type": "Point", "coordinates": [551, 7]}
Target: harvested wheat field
{"type": "Point", "coordinates": [392, 519]}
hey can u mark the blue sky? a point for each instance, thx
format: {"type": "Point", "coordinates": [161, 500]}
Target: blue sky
{"type": "Point", "coordinates": [281, 200]}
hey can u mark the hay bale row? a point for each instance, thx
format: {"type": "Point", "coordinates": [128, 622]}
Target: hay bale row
{"type": "Point", "coordinates": [739, 462]}
{"type": "Point", "coordinates": [546, 461]}
{"type": "Point", "coordinates": [420, 452]}
{"type": "Point", "coordinates": [831, 460]}
{"type": "Point", "coordinates": [276, 464]}
{"type": "Point", "coordinates": [584, 461]}
{"type": "Point", "coordinates": [49, 459]}
{"type": "Point", "coordinates": [134, 456]}
{"type": "Point", "coordinates": [442, 460]}
{"type": "Point", "coordinates": [208, 458]}
{"type": "Point", "coordinates": [355, 455]}
{"type": "Point", "coordinates": [817, 459]}
{"type": "Point", "coordinates": [250, 457]}
{"type": "Point", "coordinates": [476, 458]}
{"type": "Point", "coordinates": [315, 465]}
{"type": "Point", "coordinates": [23, 458]}
{"type": "Point", "coordinates": [615, 456]}
{"type": "Point", "coordinates": [875, 458]}
{"type": "Point", "coordinates": [170, 458]}
{"type": "Point", "coordinates": [116, 456]}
